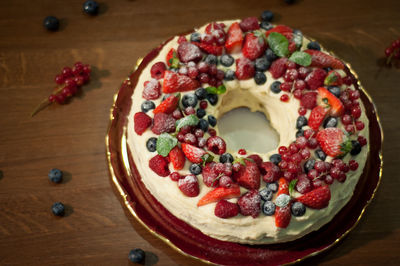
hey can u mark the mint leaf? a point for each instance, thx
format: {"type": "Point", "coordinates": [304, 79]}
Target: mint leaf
{"type": "Point", "coordinates": [174, 61]}
{"type": "Point", "coordinates": [221, 89]}
{"type": "Point", "coordinates": [165, 143]}
{"type": "Point", "coordinates": [211, 90]}
{"type": "Point", "coordinates": [301, 58]}
{"type": "Point", "coordinates": [207, 158]}
{"type": "Point", "coordinates": [279, 44]}
{"type": "Point", "coordinates": [331, 78]}
{"type": "Point", "coordinates": [190, 120]}
{"type": "Point", "coordinates": [292, 184]}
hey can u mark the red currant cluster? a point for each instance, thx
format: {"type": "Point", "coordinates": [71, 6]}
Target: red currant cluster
{"type": "Point", "coordinates": [69, 81]}
{"type": "Point", "coordinates": [393, 51]}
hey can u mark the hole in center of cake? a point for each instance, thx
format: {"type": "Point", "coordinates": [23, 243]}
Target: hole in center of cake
{"type": "Point", "coordinates": [243, 129]}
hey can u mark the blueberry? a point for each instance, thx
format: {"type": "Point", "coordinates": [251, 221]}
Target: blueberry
{"type": "Point", "coordinates": [151, 144]}
{"type": "Point", "coordinates": [212, 120]}
{"type": "Point", "coordinates": [276, 87]}
{"type": "Point", "coordinates": [55, 175]}
{"type": "Point", "coordinates": [51, 23]}
{"type": "Point", "coordinates": [195, 37]}
{"type": "Point", "coordinates": [229, 75]}
{"type": "Point", "coordinates": [273, 186]}
{"type": "Point", "coordinates": [356, 147]}
{"type": "Point", "coordinates": [266, 194]}
{"type": "Point", "coordinates": [301, 122]}
{"type": "Point", "coordinates": [203, 125]}
{"type": "Point", "coordinates": [211, 59]}
{"type": "Point", "coordinates": [136, 255]}
{"type": "Point", "coordinates": [266, 25]}
{"type": "Point", "coordinates": [262, 64]}
{"type": "Point", "coordinates": [200, 113]}
{"type": "Point", "coordinates": [271, 56]}
{"type": "Point", "coordinates": [309, 165]}
{"type": "Point", "coordinates": [330, 121]}
{"type": "Point", "coordinates": [58, 209]}
{"type": "Point", "coordinates": [334, 90]}
{"type": "Point", "coordinates": [275, 158]}
{"type": "Point", "coordinates": [260, 78]}
{"type": "Point", "coordinates": [298, 209]}
{"type": "Point", "coordinates": [226, 158]}
{"type": "Point", "coordinates": [91, 7]}
{"type": "Point", "coordinates": [267, 15]}
{"type": "Point", "coordinates": [189, 99]}
{"type": "Point", "coordinates": [268, 208]}
{"type": "Point", "coordinates": [227, 60]}
{"type": "Point", "coordinates": [299, 133]}
{"type": "Point", "coordinates": [320, 154]}
{"type": "Point", "coordinates": [195, 169]}
{"type": "Point", "coordinates": [147, 106]}
{"type": "Point", "coordinates": [201, 93]}
{"type": "Point", "coordinates": [313, 45]}
{"type": "Point", "coordinates": [212, 98]}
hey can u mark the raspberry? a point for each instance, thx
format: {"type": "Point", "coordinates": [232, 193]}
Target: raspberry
{"type": "Point", "coordinates": [190, 139]}
{"type": "Point", "coordinates": [159, 165]}
{"type": "Point", "coordinates": [175, 176]}
{"type": "Point", "coordinates": [248, 24]}
{"type": "Point", "coordinates": [163, 123]}
{"type": "Point", "coordinates": [225, 209]}
{"type": "Point", "coordinates": [303, 72]}
{"type": "Point", "coordinates": [249, 203]}
{"type": "Point", "coordinates": [244, 68]}
{"type": "Point", "coordinates": [309, 100]}
{"type": "Point", "coordinates": [270, 171]}
{"type": "Point", "coordinates": [142, 122]}
{"type": "Point", "coordinates": [209, 174]}
{"type": "Point", "coordinates": [316, 78]}
{"type": "Point", "coordinates": [152, 90]}
{"type": "Point", "coordinates": [278, 67]}
{"type": "Point", "coordinates": [189, 185]}
{"type": "Point", "coordinates": [157, 71]}
{"type": "Point", "coordinates": [189, 52]}
{"type": "Point", "coordinates": [225, 181]}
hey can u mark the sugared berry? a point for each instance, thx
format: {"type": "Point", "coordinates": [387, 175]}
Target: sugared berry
{"type": "Point", "coordinates": [309, 165]}
{"type": "Point", "coordinates": [227, 60]}
{"type": "Point", "coordinates": [212, 61]}
{"type": "Point", "coordinates": [266, 25]}
{"type": "Point", "coordinates": [151, 144]}
{"type": "Point", "coordinates": [298, 209]}
{"type": "Point", "coordinates": [195, 169]}
{"type": "Point", "coordinates": [201, 93]}
{"type": "Point", "coordinates": [203, 125]}
{"type": "Point", "coordinates": [189, 99]}
{"type": "Point", "coordinates": [262, 64]}
{"type": "Point", "coordinates": [330, 121]}
{"type": "Point", "coordinates": [275, 158]}
{"type": "Point", "coordinates": [320, 154]}
{"type": "Point", "coordinates": [268, 208]}
{"type": "Point", "coordinates": [229, 75]}
{"type": "Point", "coordinates": [195, 37]}
{"type": "Point", "coordinates": [266, 194]}
{"type": "Point", "coordinates": [226, 158]}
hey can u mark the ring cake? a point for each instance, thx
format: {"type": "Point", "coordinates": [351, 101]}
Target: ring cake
{"type": "Point", "coordinates": [308, 95]}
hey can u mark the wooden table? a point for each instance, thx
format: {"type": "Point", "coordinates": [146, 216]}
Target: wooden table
{"type": "Point", "coordinates": [96, 229]}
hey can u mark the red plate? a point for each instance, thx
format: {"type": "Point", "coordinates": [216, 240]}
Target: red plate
{"type": "Point", "coordinates": [190, 241]}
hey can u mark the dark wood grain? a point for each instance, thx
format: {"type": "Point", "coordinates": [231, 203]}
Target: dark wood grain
{"type": "Point", "coordinates": [97, 230]}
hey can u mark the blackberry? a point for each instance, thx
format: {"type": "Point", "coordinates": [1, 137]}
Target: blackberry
{"type": "Point", "coordinates": [313, 45]}
{"type": "Point", "coordinates": [276, 87]}
{"type": "Point", "coordinates": [275, 158]}
{"type": "Point", "coordinates": [136, 255]}
{"type": "Point", "coordinates": [268, 208]}
{"type": "Point", "coordinates": [201, 93]}
{"type": "Point", "coordinates": [147, 106]}
{"type": "Point", "coordinates": [301, 122]}
{"type": "Point", "coordinates": [200, 113]}
{"type": "Point", "coordinates": [55, 175]}
{"type": "Point", "coordinates": [211, 59]}
{"type": "Point", "coordinates": [195, 37]}
{"type": "Point", "coordinates": [189, 99]}
{"type": "Point", "coordinates": [51, 23]}
{"type": "Point", "coordinates": [151, 144]}
{"type": "Point", "coordinates": [260, 78]}
{"type": "Point", "coordinates": [212, 120]}
{"type": "Point", "coordinates": [266, 194]}
{"type": "Point", "coordinates": [58, 209]}
{"type": "Point", "coordinates": [262, 64]}
{"type": "Point", "coordinates": [212, 98]}
{"type": "Point", "coordinates": [229, 75]}
{"type": "Point", "coordinates": [227, 60]}
{"type": "Point", "coordinates": [298, 209]}
{"type": "Point", "coordinates": [330, 122]}
{"type": "Point", "coordinates": [195, 169]}
{"type": "Point", "coordinates": [226, 158]}
{"type": "Point", "coordinates": [320, 154]}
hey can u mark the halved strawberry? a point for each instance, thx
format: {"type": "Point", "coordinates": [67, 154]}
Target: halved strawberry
{"type": "Point", "coordinates": [210, 48]}
{"type": "Point", "coordinates": [177, 158]}
{"type": "Point", "coordinates": [333, 79]}
{"type": "Point", "coordinates": [316, 199]}
{"type": "Point", "coordinates": [278, 67]}
{"type": "Point", "coordinates": [244, 68]}
{"type": "Point", "coordinates": [322, 60]}
{"type": "Point", "coordinates": [333, 141]}
{"type": "Point", "coordinates": [248, 176]}
{"type": "Point", "coordinates": [234, 39]}
{"type": "Point", "coordinates": [282, 29]}
{"type": "Point", "coordinates": [171, 54]}
{"type": "Point", "coordinates": [335, 104]}
{"type": "Point", "coordinates": [317, 115]}
{"type": "Point", "coordinates": [168, 105]}
{"type": "Point", "coordinates": [225, 209]}
{"type": "Point", "coordinates": [218, 194]}
{"type": "Point", "coordinates": [283, 187]}
{"type": "Point", "coordinates": [253, 46]}
{"type": "Point", "coordinates": [282, 216]}
{"type": "Point", "coordinates": [189, 185]}
{"type": "Point", "coordinates": [174, 82]}
{"type": "Point", "coordinates": [193, 153]}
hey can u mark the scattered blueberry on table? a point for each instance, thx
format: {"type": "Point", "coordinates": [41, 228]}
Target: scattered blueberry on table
{"type": "Point", "coordinates": [136, 255]}
{"type": "Point", "coordinates": [58, 209]}
{"type": "Point", "coordinates": [51, 23]}
{"type": "Point", "coordinates": [91, 7]}
{"type": "Point", "coordinates": [55, 175]}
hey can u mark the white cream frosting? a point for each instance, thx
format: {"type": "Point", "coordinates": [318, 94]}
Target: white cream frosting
{"type": "Point", "coordinates": [242, 229]}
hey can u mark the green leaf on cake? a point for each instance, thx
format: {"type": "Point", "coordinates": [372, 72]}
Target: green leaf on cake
{"type": "Point", "coordinates": [190, 120]}
{"type": "Point", "coordinates": [216, 90]}
{"type": "Point", "coordinates": [301, 58]}
{"type": "Point", "coordinates": [207, 158]}
{"type": "Point", "coordinates": [279, 44]}
{"type": "Point", "coordinates": [331, 78]}
{"type": "Point", "coordinates": [292, 185]}
{"type": "Point", "coordinates": [174, 61]}
{"type": "Point", "coordinates": [165, 143]}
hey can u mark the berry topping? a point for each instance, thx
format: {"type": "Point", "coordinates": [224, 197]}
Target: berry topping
{"type": "Point", "coordinates": [253, 46]}
{"type": "Point", "coordinates": [267, 15]}
{"type": "Point", "coordinates": [260, 78]}
{"type": "Point", "coordinates": [266, 194]}
{"type": "Point", "coordinates": [157, 71]}
{"type": "Point", "coordinates": [151, 144]}
{"type": "Point", "coordinates": [147, 106]}
{"type": "Point", "coordinates": [55, 175]}
{"type": "Point", "coordinates": [336, 106]}
{"type": "Point", "coordinates": [152, 90]}
{"type": "Point", "coordinates": [333, 142]}
{"type": "Point", "coordinates": [282, 216]}
{"type": "Point", "coordinates": [356, 147]}
{"type": "Point", "coordinates": [283, 186]}
{"type": "Point", "coordinates": [189, 99]}
{"type": "Point", "coordinates": [249, 24]}
{"type": "Point", "coordinates": [244, 68]}
{"type": "Point", "coordinates": [248, 176]}
{"type": "Point", "coordinates": [227, 60]}
{"type": "Point", "coordinates": [216, 144]}
{"type": "Point", "coordinates": [195, 169]}
{"type": "Point", "coordinates": [209, 48]}
{"type": "Point", "coordinates": [177, 158]}
{"type": "Point", "coordinates": [58, 209]}
{"type": "Point", "coordinates": [212, 98]}
{"type": "Point", "coordinates": [193, 153]}
{"type": "Point", "coordinates": [303, 184]}
{"type": "Point", "coordinates": [276, 87]}
{"type": "Point", "coordinates": [298, 209]}
{"type": "Point", "coordinates": [301, 122]}
{"type": "Point", "coordinates": [268, 208]}
{"type": "Point", "coordinates": [189, 186]}
{"type": "Point", "coordinates": [168, 105]}
{"type": "Point", "coordinates": [309, 100]}
{"type": "Point", "coordinates": [322, 60]}
{"type": "Point", "coordinates": [174, 82]}
{"type": "Point", "coordinates": [219, 193]}
{"type": "Point", "coordinates": [316, 78]}
{"type": "Point", "coordinates": [212, 120]}
{"type": "Point", "coordinates": [278, 67]}
{"type": "Point", "coordinates": [142, 121]}
{"type": "Point", "coordinates": [163, 123]}
{"type": "Point", "coordinates": [226, 158]}
{"type": "Point", "coordinates": [136, 255]}
{"type": "Point", "coordinates": [159, 165]}
{"type": "Point", "coordinates": [330, 121]}
{"type": "Point", "coordinates": [316, 199]}
{"type": "Point", "coordinates": [189, 52]}
{"type": "Point", "coordinates": [225, 209]}
{"type": "Point", "coordinates": [270, 171]}
{"type": "Point", "coordinates": [317, 116]}
{"type": "Point", "coordinates": [250, 203]}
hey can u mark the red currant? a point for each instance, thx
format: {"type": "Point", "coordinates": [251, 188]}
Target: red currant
{"type": "Point", "coordinates": [242, 152]}
{"type": "Point", "coordinates": [60, 98]}
{"type": "Point", "coordinates": [59, 79]}
{"type": "Point", "coordinates": [282, 150]}
{"type": "Point", "coordinates": [52, 98]}
{"type": "Point", "coordinates": [297, 94]}
{"type": "Point", "coordinates": [312, 143]}
{"type": "Point", "coordinates": [362, 140]}
{"type": "Point", "coordinates": [302, 110]}
{"type": "Point", "coordinates": [284, 98]}
{"type": "Point", "coordinates": [353, 165]}
{"type": "Point", "coordinates": [356, 112]}
{"type": "Point", "coordinates": [286, 86]}
{"type": "Point", "coordinates": [359, 125]}
{"type": "Point", "coordinates": [212, 132]}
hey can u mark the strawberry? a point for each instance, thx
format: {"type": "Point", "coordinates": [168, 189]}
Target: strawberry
{"type": "Point", "coordinates": [189, 52]}
{"type": "Point", "coordinates": [333, 79]}
{"type": "Point", "coordinates": [234, 40]}
{"type": "Point", "coordinates": [152, 90]}
{"type": "Point", "coordinates": [189, 186]}
{"type": "Point", "coordinates": [317, 198]}
{"type": "Point", "coordinates": [249, 24]}
{"type": "Point", "coordinates": [248, 176]}
{"type": "Point", "coordinates": [335, 104]}
{"type": "Point", "coordinates": [257, 159]}
{"type": "Point", "coordinates": [270, 171]}
{"type": "Point", "coordinates": [225, 209]}
{"type": "Point", "coordinates": [278, 67]}
{"type": "Point", "coordinates": [283, 187]}
{"type": "Point", "coordinates": [282, 29]}
{"type": "Point", "coordinates": [193, 153]}
{"type": "Point", "coordinates": [159, 165]}
{"type": "Point", "coordinates": [317, 115]}
{"type": "Point", "coordinates": [309, 100]}
{"type": "Point", "coordinates": [282, 216]}
{"type": "Point", "coordinates": [142, 121]}
{"type": "Point", "coordinates": [177, 158]}
{"type": "Point", "coordinates": [210, 48]}
{"type": "Point", "coordinates": [316, 78]}
{"type": "Point", "coordinates": [250, 203]}
{"type": "Point", "coordinates": [174, 82]}
{"type": "Point", "coordinates": [171, 54]}
{"type": "Point", "coordinates": [253, 46]}
{"type": "Point", "coordinates": [244, 68]}
{"type": "Point", "coordinates": [210, 174]}
{"type": "Point", "coordinates": [333, 141]}
{"type": "Point", "coordinates": [168, 105]}
{"type": "Point", "coordinates": [218, 194]}
{"type": "Point", "coordinates": [216, 144]}
{"type": "Point", "coordinates": [322, 60]}
{"type": "Point", "coordinates": [163, 123]}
